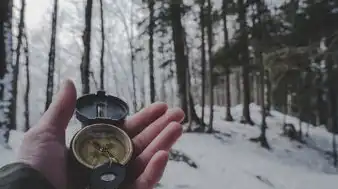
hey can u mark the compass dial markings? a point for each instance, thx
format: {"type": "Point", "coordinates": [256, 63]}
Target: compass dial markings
{"type": "Point", "coordinates": [100, 144]}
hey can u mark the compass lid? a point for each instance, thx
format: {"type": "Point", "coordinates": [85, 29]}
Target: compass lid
{"type": "Point", "coordinates": [101, 108]}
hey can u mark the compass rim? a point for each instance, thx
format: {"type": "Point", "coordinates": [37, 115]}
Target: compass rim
{"type": "Point", "coordinates": [128, 144]}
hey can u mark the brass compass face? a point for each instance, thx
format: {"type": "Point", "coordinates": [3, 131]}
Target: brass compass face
{"type": "Point", "coordinates": [99, 143]}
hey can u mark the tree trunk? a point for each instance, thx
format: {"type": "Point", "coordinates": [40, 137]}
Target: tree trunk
{"type": "Point", "coordinates": [203, 61]}
{"type": "Point", "coordinates": [269, 94]}
{"type": "Point", "coordinates": [51, 58]}
{"type": "Point", "coordinates": [289, 103]}
{"type": "Point", "coordinates": [300, 109]}
{"type": "Point", "coordinates": [5, 23]}
{"type": "Point", "coordinates": [245, 61]}
{"type": "Point", "coordinates": [262, 137]}
{"type": "Point", "coordinates": [181, 59]}
{"type": "Point", "coordinates": [163, 87]}
{"type": "Point", "coordinates": [172, 87]}
{"type": "Point", "coordinates": [26, 97]}
{"type": "Point", "coordinates": [142, 92]}
{"type": "Point", "coordinates": [307, 129]}
{"type": "Point", "coordinates": [332, 106]}
{"type": "Point", "coordinates": [85, 64]}
{"type": "Point", "coordinates": [132, 59]}
{"type": "Point", "coordinates": [16, 66]}
{"type": "Point", "coordinates": [3, 68]}
{"type": "Point", "coordinates": [151, 27]}
{"type": "Point", "coordinates": [228, 116]}
{"type": "Point", "coordinates": [258, 89]}
{"type": "Point", "coordinates": [102, 47]}
{"type": "Point", "coordinates": [238, 87]}
{"type": "Point", "coordinates": [261, 79]}
{"type": "Point", "coordinates": [6, 74]}
{"type": "Point", "coordinates": [189, 115]}
{"type": "Point", "coordinates": [334, 150]}
{"type": "Point", "coordinates": [319, 100]}
{"type": "Point", "coordinates": [211, 66]}
{"type": "Point", "coordinates": [286, 104]}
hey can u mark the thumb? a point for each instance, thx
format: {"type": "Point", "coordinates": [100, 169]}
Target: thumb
{"type": "Point", "coordinates": [61, 110]}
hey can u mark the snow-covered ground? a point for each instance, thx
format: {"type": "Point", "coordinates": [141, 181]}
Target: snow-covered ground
{"type": "Point", "coordinates": [228, 160]}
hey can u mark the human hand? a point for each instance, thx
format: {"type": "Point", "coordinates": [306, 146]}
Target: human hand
{"type": "Point", "coordinates": [153, 130]}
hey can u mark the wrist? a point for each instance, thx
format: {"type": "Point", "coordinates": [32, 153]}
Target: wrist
{"type": "Point", "coordinates": [21, 175]}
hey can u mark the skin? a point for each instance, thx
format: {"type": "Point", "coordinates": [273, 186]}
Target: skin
{"type": "Point", "coordinates": [154, 130]}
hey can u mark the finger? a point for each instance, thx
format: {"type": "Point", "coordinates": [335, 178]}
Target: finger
{"type": "Point", "coordinates": [61, 110]}
{"type": "Point", "coordinates": [143, 139]}
{"type": "Point", "coordinates": [153, 172]}
{"type": "Point", "coordinates": [145, 117]}
{"type": "Point", "coordinates": [164, 141]}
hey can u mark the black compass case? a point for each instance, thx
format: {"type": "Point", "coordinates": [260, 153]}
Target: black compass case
{"type": "Point", "coordinates": [101, 108]}
{"type": "Point", "coordinates": [93, 109]}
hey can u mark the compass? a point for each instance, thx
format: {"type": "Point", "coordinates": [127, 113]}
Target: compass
{"type": "Point", "coordinates": [101, 150]}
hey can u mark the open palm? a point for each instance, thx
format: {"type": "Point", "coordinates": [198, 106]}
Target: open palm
{"type": "Point", "coordinates": [154, 130]}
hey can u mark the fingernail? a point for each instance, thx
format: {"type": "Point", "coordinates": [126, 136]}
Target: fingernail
{"type": "Point", "coordinates": [64, 84]}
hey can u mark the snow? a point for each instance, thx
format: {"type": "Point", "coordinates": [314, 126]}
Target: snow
{"type": "Point", "coordinates": [227, 159]}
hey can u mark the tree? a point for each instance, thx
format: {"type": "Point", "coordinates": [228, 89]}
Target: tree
{"type": "Point", "coordinates": [211, 66]}
{"type": "Point", "coordinates": [332, 95]}
{"type": "Point", "coordinates": [228, 116]}
{"type": "Point", "coordinates": [51, 58]}
{"type": "Point", "coordinates": [6, 69]}
{"type": "Point", "coordinates": [262, 14]}
{"type": "Point", "coordinates": [164, 49]}
{"type": "Point", "coordinates": [203, 54]}
{"type": "Point", "coordinates": [102, 47]}
{"type": "Point", "coordinates": [178, 36]}
{"type": "Point", "coordinates": [319, 18]}
{"type": "Point", "coordinates": [151, 28]}
{"type": "Point", "coordinates": [259, 38]}
{"type": "Point", "coordinates": [244, 61]}
{"type": "Point", "coordinates": [180, 57]}
{"type": "Point", "coordinates": [16, 66]}
{"type": "Point", "coordinates": [26, 97]}
{"type": "Point", "coordinates": [86, 38]}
